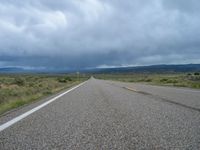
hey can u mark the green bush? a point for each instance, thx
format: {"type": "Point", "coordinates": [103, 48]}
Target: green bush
{"type": "Point", "coordinates": [64, 80]}
{"type": "Point", "coordinates": [31, 84]}
{"type": "Point", "coordinates": [172, 81]}
{"type": "Point", "coordinates": [163, 80]}
{"type": "Point", "coordinates": [47, 92]}
{"type": "Point", "coordinates": [196, 73]}
{"type": "Point", "coordinates": [148, 80]}
{"type": "Point", "coordinates": [19, 81]}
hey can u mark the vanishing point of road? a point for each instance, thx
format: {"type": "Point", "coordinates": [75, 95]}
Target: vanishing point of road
{"type": "Point", "coordinates": [107, 115]}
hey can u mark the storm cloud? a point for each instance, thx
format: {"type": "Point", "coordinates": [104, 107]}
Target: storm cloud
{"type": "Point", "coordinates": [97, 33]}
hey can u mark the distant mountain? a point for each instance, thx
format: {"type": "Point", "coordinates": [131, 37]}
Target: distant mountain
{"type": "Point", "coordinates": [35, 70]}
{"type": "Point", "coordinates": [138, 69]}
{"type": "Point", "coordinates": [151, 69]}
{"type": "Point", "coordinates": [11, 70]}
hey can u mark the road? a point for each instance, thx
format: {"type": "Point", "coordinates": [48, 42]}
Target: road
{"type": "Point", "coordinates": [109, 115]}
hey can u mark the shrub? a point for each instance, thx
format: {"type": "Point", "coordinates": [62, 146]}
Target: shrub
{"type": "Point", "coordinates": [148, 80]}
{"type": "Point", "coordinates": [47, 92]}
{"type": "Point", "coordinates": [68, 79]}
{"type": "Point", "coordinates": [19, 81]}
{"type": "Point", "coordinates": [31, 84]}
{"type": "Point", "coordinates": [172, 81]}
{"type": "Point", "coordinates": [196, 73]}
{"type": "Point", "coordinates": [64, 80]}
{"type": "Point", "coordinates": [61, 80]}
{"type": "Point", "coordinates": [164, 80]}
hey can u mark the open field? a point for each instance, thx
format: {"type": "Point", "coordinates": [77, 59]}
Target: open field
{"type": "Point", "coordinates": [17, 90]}
{"type": "Point", "coordinates": [191, 80]}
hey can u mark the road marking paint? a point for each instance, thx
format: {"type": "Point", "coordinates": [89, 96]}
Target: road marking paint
{"type": "Point", "coordinates": [26, 114]}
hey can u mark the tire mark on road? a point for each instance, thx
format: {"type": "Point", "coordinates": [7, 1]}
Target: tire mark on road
{"type": "Point", "coordinates": [159, 98]}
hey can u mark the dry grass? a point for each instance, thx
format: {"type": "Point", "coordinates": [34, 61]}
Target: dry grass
{"type": "Point", "coordinates": [179, 80]}
{"type": "Point", "coordinates": [18, 90]}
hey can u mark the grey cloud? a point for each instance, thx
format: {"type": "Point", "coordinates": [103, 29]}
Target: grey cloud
{"type": "Point", "coordinates": [190, 6]}
{"type": "Point", "coordinates": [92, 33]}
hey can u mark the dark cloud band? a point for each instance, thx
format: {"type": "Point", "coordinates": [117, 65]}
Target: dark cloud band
{"type": "Point", "coordinates": [92, 33]}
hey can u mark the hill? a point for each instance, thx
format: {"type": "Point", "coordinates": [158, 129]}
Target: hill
{"type": "Point", "coordinates": [137, 69]}
{"type": "Point", "coordinates": [151, 69]}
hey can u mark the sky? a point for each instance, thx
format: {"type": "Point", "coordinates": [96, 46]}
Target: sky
{"type": "Point", "coordinates": [74, 34]}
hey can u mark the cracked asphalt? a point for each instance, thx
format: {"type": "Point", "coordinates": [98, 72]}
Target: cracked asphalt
{"type": "Point", "coordinates": [104, 115]}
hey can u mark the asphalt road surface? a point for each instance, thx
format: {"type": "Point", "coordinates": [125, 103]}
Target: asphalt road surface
{"type": "Point", "coordinates": [109, 115]}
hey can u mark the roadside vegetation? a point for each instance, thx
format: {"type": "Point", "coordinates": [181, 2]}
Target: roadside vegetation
{"type": "Point", "coordinates": [191, 80]}
{"type": "Point", "coordinates": [17, 90]}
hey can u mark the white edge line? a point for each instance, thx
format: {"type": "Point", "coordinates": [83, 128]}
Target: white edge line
{"type": "Point", "coordinates": [20, 117]}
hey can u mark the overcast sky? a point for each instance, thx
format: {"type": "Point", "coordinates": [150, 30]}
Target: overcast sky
{"type": "Point", "coordinates": [98, 33]}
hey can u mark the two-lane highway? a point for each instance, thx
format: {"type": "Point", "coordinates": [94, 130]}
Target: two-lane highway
{"type": "Point", "coordinates": [109, 115]}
